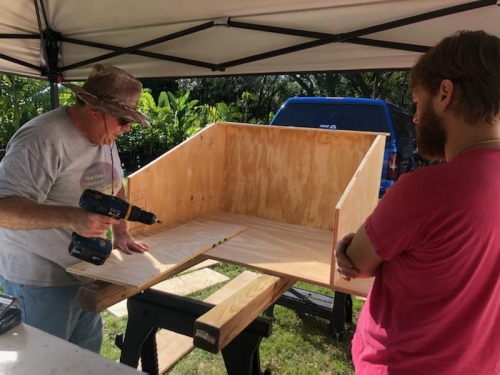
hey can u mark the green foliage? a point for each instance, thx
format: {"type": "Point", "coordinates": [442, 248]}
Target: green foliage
{"type": "Point", "coordinates": [20, 100]}
{"type": "Point", "coordinates": [111, 327]}
{"type": "Point", "coordinates": [220, 112]}
{"type": "Point", "coordinates": [250, 98]}
{"type": "Point", "coordinates": [141, 145]}
{"type": "Point", "coordinates": [66, 96]}
{"type": "Point", "coordinates": [185, 120]}
{"type": "Point", "coordinates": [174, 119]}
{"type": "Point", "coordinates": [177, 115]}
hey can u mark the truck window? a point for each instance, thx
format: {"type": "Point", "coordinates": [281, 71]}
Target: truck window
{"type": "Point", "coordinates": [362, 117]}
{"type": "Point", "coordinates": [403, 122]}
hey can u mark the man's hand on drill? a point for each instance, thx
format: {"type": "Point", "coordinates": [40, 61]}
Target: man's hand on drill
{"type": "Point", "coordinates": [89, 224]}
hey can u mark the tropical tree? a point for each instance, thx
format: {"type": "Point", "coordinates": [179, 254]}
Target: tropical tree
{"type": "Point", "coordinates": [255, 97]}
{"type": "Point", "coordinates": [259, 97]}
{"type": "Point", "coordinates": [21, 99]}
{"type": "Point", "coordinates": [141, 145]}
{"type": "Point", "coordinates": [185, 120]}
{"type": "Point", "coordinates": [219, 112]}
{"type": "Point", "coordinates": [173, 118]}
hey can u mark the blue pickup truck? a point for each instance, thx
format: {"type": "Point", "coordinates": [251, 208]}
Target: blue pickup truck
{"type": "Point", "coordinates": [372, 115]}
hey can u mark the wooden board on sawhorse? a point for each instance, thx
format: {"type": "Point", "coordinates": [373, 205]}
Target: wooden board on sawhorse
{"type": "Point", "coordinates": [171, 346]}
{"type": "Point", "coordinates": [182, 285]}
{"type": "Point", "coordinates": [152, 309]}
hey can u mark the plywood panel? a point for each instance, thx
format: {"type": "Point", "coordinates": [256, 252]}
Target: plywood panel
{"type": "Point", "coordinates": [182, 184]}
{"type": "Point", "coordinates": [355, 205]}
{"type": "Point", "coordinates": [168, 251]}
{"type": "Point", "coordinates": [278, 248]}
{"type": "Point", "coordinates": [292, 175]}
{"type": "Point", "coordinates": [283, 249]}
{"type": "Point", "coordinates": [287, 183]}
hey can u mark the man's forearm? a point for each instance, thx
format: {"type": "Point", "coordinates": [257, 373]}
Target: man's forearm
{"type": "Point", "coordinates": [122, 227]}
{"type": "Point", "coordinates": [119, 229]}
{"type": "Point", "coordinates": [363, 255]}
{"type": "Point", "coordinates": [22, 213]}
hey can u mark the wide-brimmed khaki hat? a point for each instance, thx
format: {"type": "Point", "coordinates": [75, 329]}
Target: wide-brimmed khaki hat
{"type": "Point", "coordinates": [112, 90]}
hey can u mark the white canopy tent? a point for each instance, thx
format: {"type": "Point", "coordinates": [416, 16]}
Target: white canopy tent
{"type": "Point", "coordinates": [194, 38]}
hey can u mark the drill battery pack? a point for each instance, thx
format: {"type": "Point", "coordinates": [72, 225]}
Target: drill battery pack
{"type": "Point", "coordinates": [93, 250]}
{"type": "Point", "coordinates": [10, 315]}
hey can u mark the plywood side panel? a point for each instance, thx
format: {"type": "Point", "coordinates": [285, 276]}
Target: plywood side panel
{"type": "Point", "coordinates": [291, 175]}
{"type": "Point", "coordinates": [182, 184]}
{"type": "Point", "coordinates": [357, 202]}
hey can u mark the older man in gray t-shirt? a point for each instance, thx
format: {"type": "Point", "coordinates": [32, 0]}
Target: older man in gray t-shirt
{"type": "Point", "coordinates": [48, 163]}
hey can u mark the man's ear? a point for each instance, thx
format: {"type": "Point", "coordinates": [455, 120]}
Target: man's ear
{"type": "Point", "coordinates": [93, 112]}
{"type": "Point", "coordinates": [446, 95]}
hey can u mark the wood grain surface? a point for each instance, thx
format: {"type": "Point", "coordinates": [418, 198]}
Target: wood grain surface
{"type": "Point", "coordinates": [283, 249]}
{"type": "Point", "coordinates": [311, 185]}
{"type": "Point", "coordinates": [168, 250]}
{"type": "Point", "coordinates": [221, 324]}
{"type": "Point", "coordinates": [181, 285]}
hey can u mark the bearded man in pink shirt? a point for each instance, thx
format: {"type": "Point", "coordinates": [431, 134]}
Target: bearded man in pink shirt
{"type": "Point", "coordinates": [433, 241]}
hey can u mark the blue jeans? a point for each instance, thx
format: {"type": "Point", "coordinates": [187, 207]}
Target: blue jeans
{"type": "Point", "coordinates": [56, 310]}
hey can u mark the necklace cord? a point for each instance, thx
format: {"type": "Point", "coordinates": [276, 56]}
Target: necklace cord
{"type": "Point", "coordinates": [111, 154]}
{"type": "Point", "coordinates": [486, 141]}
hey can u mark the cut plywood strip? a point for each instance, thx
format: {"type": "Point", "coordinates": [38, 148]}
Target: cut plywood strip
{"type": "Point", "coordinates": [169, 250]}
{"type": "Point", "coordinates": [191, 282]}
{"type": "Point", "coordinates": [204, 264]}
{"type": "Point", "coordinates": [181, 285]}
{"type": "Point", "coordinates": [172, 346]}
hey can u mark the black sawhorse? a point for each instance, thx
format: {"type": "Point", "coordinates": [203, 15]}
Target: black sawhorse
{"type": "Point", "coordinates": [150, 310]}
{"type": "Point", "coordinates": [337, 309]}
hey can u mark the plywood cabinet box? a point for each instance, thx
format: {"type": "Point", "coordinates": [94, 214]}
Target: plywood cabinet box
{"type": "Point", "coordinates": [297, 190]}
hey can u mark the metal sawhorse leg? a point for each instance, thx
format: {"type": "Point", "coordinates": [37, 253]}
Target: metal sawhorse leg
{"type": "Point", "coordinates": [337, 309]}
{"type": "Point", "coordinates": [150, 310]}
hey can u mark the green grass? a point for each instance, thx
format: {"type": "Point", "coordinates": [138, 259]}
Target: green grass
{"type": "Point", "coordinates": [299, 344]}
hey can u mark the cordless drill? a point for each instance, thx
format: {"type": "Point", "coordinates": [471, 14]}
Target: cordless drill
{"type": "Point", "coordinates": [97, 250]}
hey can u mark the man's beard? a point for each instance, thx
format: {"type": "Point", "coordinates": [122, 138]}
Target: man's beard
{"type": "Point", "coordinates": [431, 134]}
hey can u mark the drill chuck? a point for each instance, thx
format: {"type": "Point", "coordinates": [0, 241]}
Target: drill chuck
{"type": "Point", "coordinates": [145, 217]}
